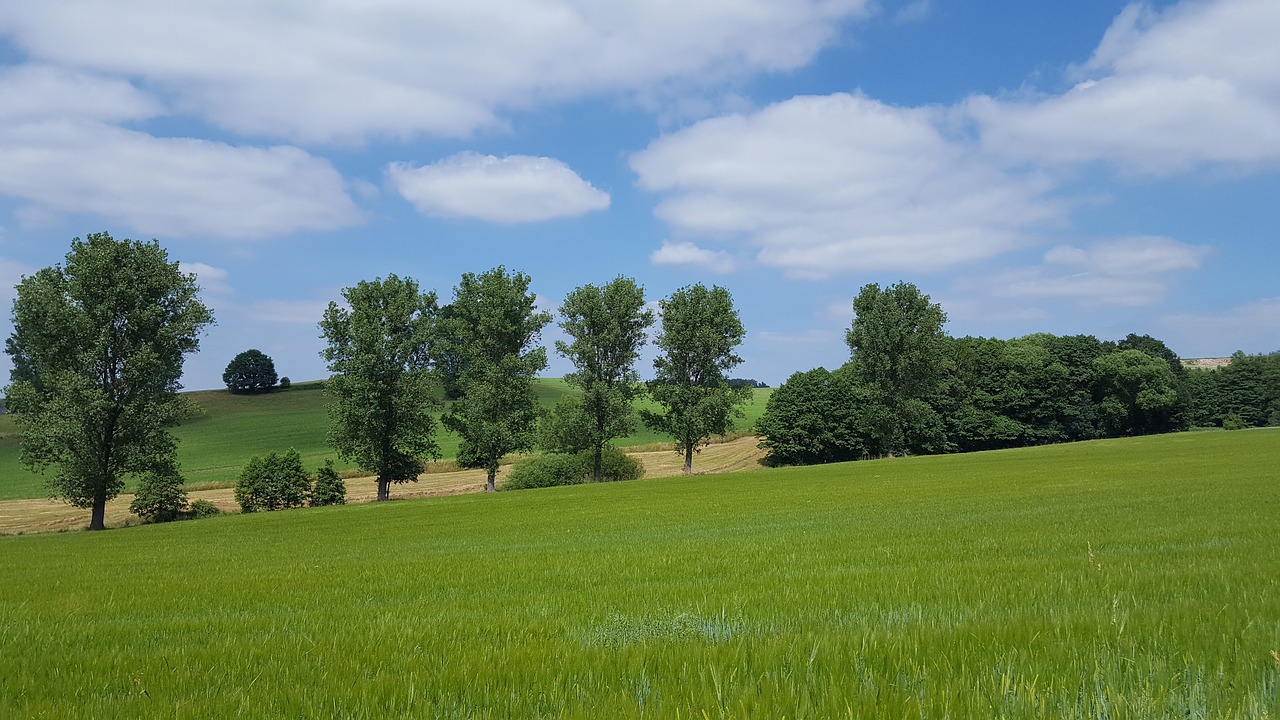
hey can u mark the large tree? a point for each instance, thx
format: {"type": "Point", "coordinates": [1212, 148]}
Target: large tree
{"type": "Point", "coordinates": [699, 336]}
{"type": "Point", "coordinates": [381, 393]}
{"type": "Point", "coordinates": [607, 329]}
{"type": "Point", "coordinates": [97, 347]}
{"type": "Point", "coordinates": [897, 350]}
{"type": "Point", "coordinates": [250, 371]}
{"type": "Point", "coordinates": [491, 331]}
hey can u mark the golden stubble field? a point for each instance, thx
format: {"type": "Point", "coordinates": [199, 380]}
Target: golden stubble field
{"type": "Point", "coordinates": [44, 515]}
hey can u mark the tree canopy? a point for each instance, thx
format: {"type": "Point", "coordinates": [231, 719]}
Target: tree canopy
{"type": "Point", "coordinates": [250, 371]}
{"type": "Point", "coordinates": [98, 346]}
{"type": "Point", "coordinates": [381, 393]}
{"type": "Point", "coordinates": [607, 329]}
{"type": "Point", "coordinates": [700, 334]}
{"type": "Point", "coordinates": [491, 331]}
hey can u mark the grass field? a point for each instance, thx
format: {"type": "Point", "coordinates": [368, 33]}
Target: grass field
{"type": "Point", "coordinates": [1132, 578]}
{"type": "Point", "coordinates": [215, 445]}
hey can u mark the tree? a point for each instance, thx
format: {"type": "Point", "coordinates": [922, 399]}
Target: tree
{"type": "Point", "coordinates": [700, 331]}
{"type": "Point", "coordinates": [1136, 393]}
{"type": "Point", "coordinates": [814, 418]}
{"type": "Point", "coordinates": [250, 371]}
{"type": "Point", "coordinates": [607, 326]}
{"type": "Point", "coordinates": [491, 331]}
{"type": "Point", "coordinates": [896, 343]}
{"type": "Point", "coordinates": [381, 394]}
{"type": "Point", "coordinates": [97, 347]}
{"type": "Point", "coordinates": [329, 488]}
{"type": "Point", "coordinates": [273, 482]}
{"type": "Point", "coordinates": [160, 496]}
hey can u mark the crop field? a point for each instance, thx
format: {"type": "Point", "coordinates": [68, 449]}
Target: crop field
{"type": "Point", "coordinates": [214, 445]}
{"type": "Point", "coordinates": [1133, 578]}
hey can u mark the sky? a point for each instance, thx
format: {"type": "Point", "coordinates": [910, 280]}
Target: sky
{"type": "Point", "coordinates": [1089, 167]}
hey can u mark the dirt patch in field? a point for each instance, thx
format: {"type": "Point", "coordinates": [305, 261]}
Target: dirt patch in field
{"type": "Point", "coordinates": [32, 516]}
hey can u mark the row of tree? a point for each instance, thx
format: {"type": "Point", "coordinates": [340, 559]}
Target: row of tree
{"type": "Point", "coordinates": [910, 388]}
{"type": "Point", "coordinates": [394, 351]}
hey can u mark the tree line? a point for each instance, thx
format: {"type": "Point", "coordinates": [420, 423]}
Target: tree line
{"type": "Point", "coordinates": [99, 343]}
{"type": "Point", "coordinates": [909, 388]}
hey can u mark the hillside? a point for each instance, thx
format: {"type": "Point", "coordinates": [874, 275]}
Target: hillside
{"type": "Point", "coordinates": [1123, 578]}
{"type": "Point", "coordinates": [214, 445]}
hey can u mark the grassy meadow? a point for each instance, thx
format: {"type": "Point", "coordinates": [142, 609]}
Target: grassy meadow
{"type": "Point", "coordinates": [214, 445]}
{"type": "Point", "coordinates": [1135, 578]}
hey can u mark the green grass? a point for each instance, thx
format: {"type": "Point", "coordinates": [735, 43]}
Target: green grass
{"type": "Point", "coordinates": [214, 446]}
{"type": "Point", "coordinates": [1116, 579]}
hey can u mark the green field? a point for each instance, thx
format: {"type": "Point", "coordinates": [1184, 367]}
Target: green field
{"type": "Point", "coordinates": [214, 445]}
{"type": "Point", "coordinates": [1133, 578]}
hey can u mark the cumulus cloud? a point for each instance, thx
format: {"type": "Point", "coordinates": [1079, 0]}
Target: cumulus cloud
{"type": "Point", "coordinates": [823, 185]}
{"type": "Point", "coordinates": [398, 68]}
{"type": "Point", "coordinates": [61, 151]}
{"type": "Point", "coordinates": [686, 253]}
{"type": "Point", "coordinates": [511, 189]}
{"type": "Point", "coordinates": [1164, 92]}
{"type": "Point", "coordinates": [211, 279]}
{"type": "Point", "coordinates": [1132, 271]}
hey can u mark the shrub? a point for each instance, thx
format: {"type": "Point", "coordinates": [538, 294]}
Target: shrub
{"type": "Point", "coordinates": [548, 471]}
{"type": "Point", "coordinates": [1233, 422]}
{"type": "Point", "coordinates": [329, 488]}
{"type": "Point", "coordinates": [203, 509]}
{"type": "Point", "coordinates": [614, 465]}
{"type": "Point", "coordinates": [285, 383]}
{"type": "Point", "coordinates": [274, 482]}
{"type": "Point", "coordinates": [160, 497]}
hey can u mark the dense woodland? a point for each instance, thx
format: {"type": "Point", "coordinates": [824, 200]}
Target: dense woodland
{"type": "Point", "coordinates": [974, 393]}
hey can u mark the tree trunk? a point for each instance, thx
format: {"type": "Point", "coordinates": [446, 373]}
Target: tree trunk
{"type": "Point", "coordinates": [97, 520]}
{"type": "Point", "coordinates": [688, 459]}
{"type": "Point", "coordinates": [384, 488]}
{"type": "Point", "coordinates": [489, 486]}
{"type": "Point", "coordinates": [599, 470]}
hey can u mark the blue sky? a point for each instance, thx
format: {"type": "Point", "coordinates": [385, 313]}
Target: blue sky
{"type": "Point", "coordinates": [1086, 167]}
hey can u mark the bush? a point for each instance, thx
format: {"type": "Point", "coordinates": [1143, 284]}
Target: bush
{"type": "Point", "coordinates": [614, 465]}
{"type": "Point", "coordinates": [548, 471]}
{"type": "Point", "coordinates": [160, 497]}
{"type": "Point", "coordinates": [202, 509]}
{"type": "Point", "coordinates": [556, 469]}
{"type": "Point", "coordinates": [274, 482]}
{"type": "Point", "coordinates": [285, 383]}
{"type": "Point", "coordinates": [1233, 422]}
{"type": "Point", "coordinates": [329, 488]}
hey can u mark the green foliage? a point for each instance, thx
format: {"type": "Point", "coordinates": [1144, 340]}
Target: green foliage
{"type": "Point", "coordinates": [329, 488]}
{"type": "Point", "coordinates": [1137, 578]}
{"type": "Point", "coordinates": [491, 329]}
{"type": "Point", "coordinates": [555, 469]}
{"type": "Point", "coordinates": [1136, 392]}
{"type": "Point", "coordinates": [285, 383]}
{"type": "Point", "coordinates": [1233, 422]}
{"type": "Point", "coordinates": [566, 428]}
{"type": "Point", "coordinates": [203, 509]}
{"type": "Point", "coordinates": [700, 334]}
{"type": "Point", "coordinates": [276, 481]}
{"type": "Point", "coordinates": [249, 372]}
{"type": "Point", "coordinates": [815, 417]}
{"type": "Point", "coordinates": [381, 397]}
{"type": "Point", "coordinates": [550, 470]}
{"type": "Point", "coordinates": [160, 497]}
{"type": "Point", "coordinates": [896, 343]}
{"type": "Point", "coordinates": [97, 349]}
{"type": "Point", "coordinates": [607, 326]}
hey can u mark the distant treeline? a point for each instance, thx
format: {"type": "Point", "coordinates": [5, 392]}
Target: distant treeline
{"type": "Point", "coordinates": [986, 394]}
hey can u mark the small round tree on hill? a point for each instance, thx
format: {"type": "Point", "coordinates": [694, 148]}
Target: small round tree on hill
{"type": "Point", "coordinates": [329, 488]}
{"type": "Point", "coordinates": [250, 371]}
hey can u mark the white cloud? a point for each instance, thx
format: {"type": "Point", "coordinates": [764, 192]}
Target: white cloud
{"type": "Point", "coordinates": [397, 68]}
{"type": "Point", "coordinates": [291, 312]}
{"type": "Point", "coordinates": [1164, 92]}
{"type": "Point", "coordinates": [512, 189]}
{"type": "Point", "coordinates": [211, 279]}
{"type": "Point", "coordinates": [686, 253]}
{"type": "Point", "coordinates": [1133, 271]}
{"type": "Point", "coordinates": [60, 152]}
{"type": "Point", "coordinates": [824, 185]}
{"type": "Point", "coordinates": [913, 12]}
{"type": "Point", "coordinates": [1253, 327]}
